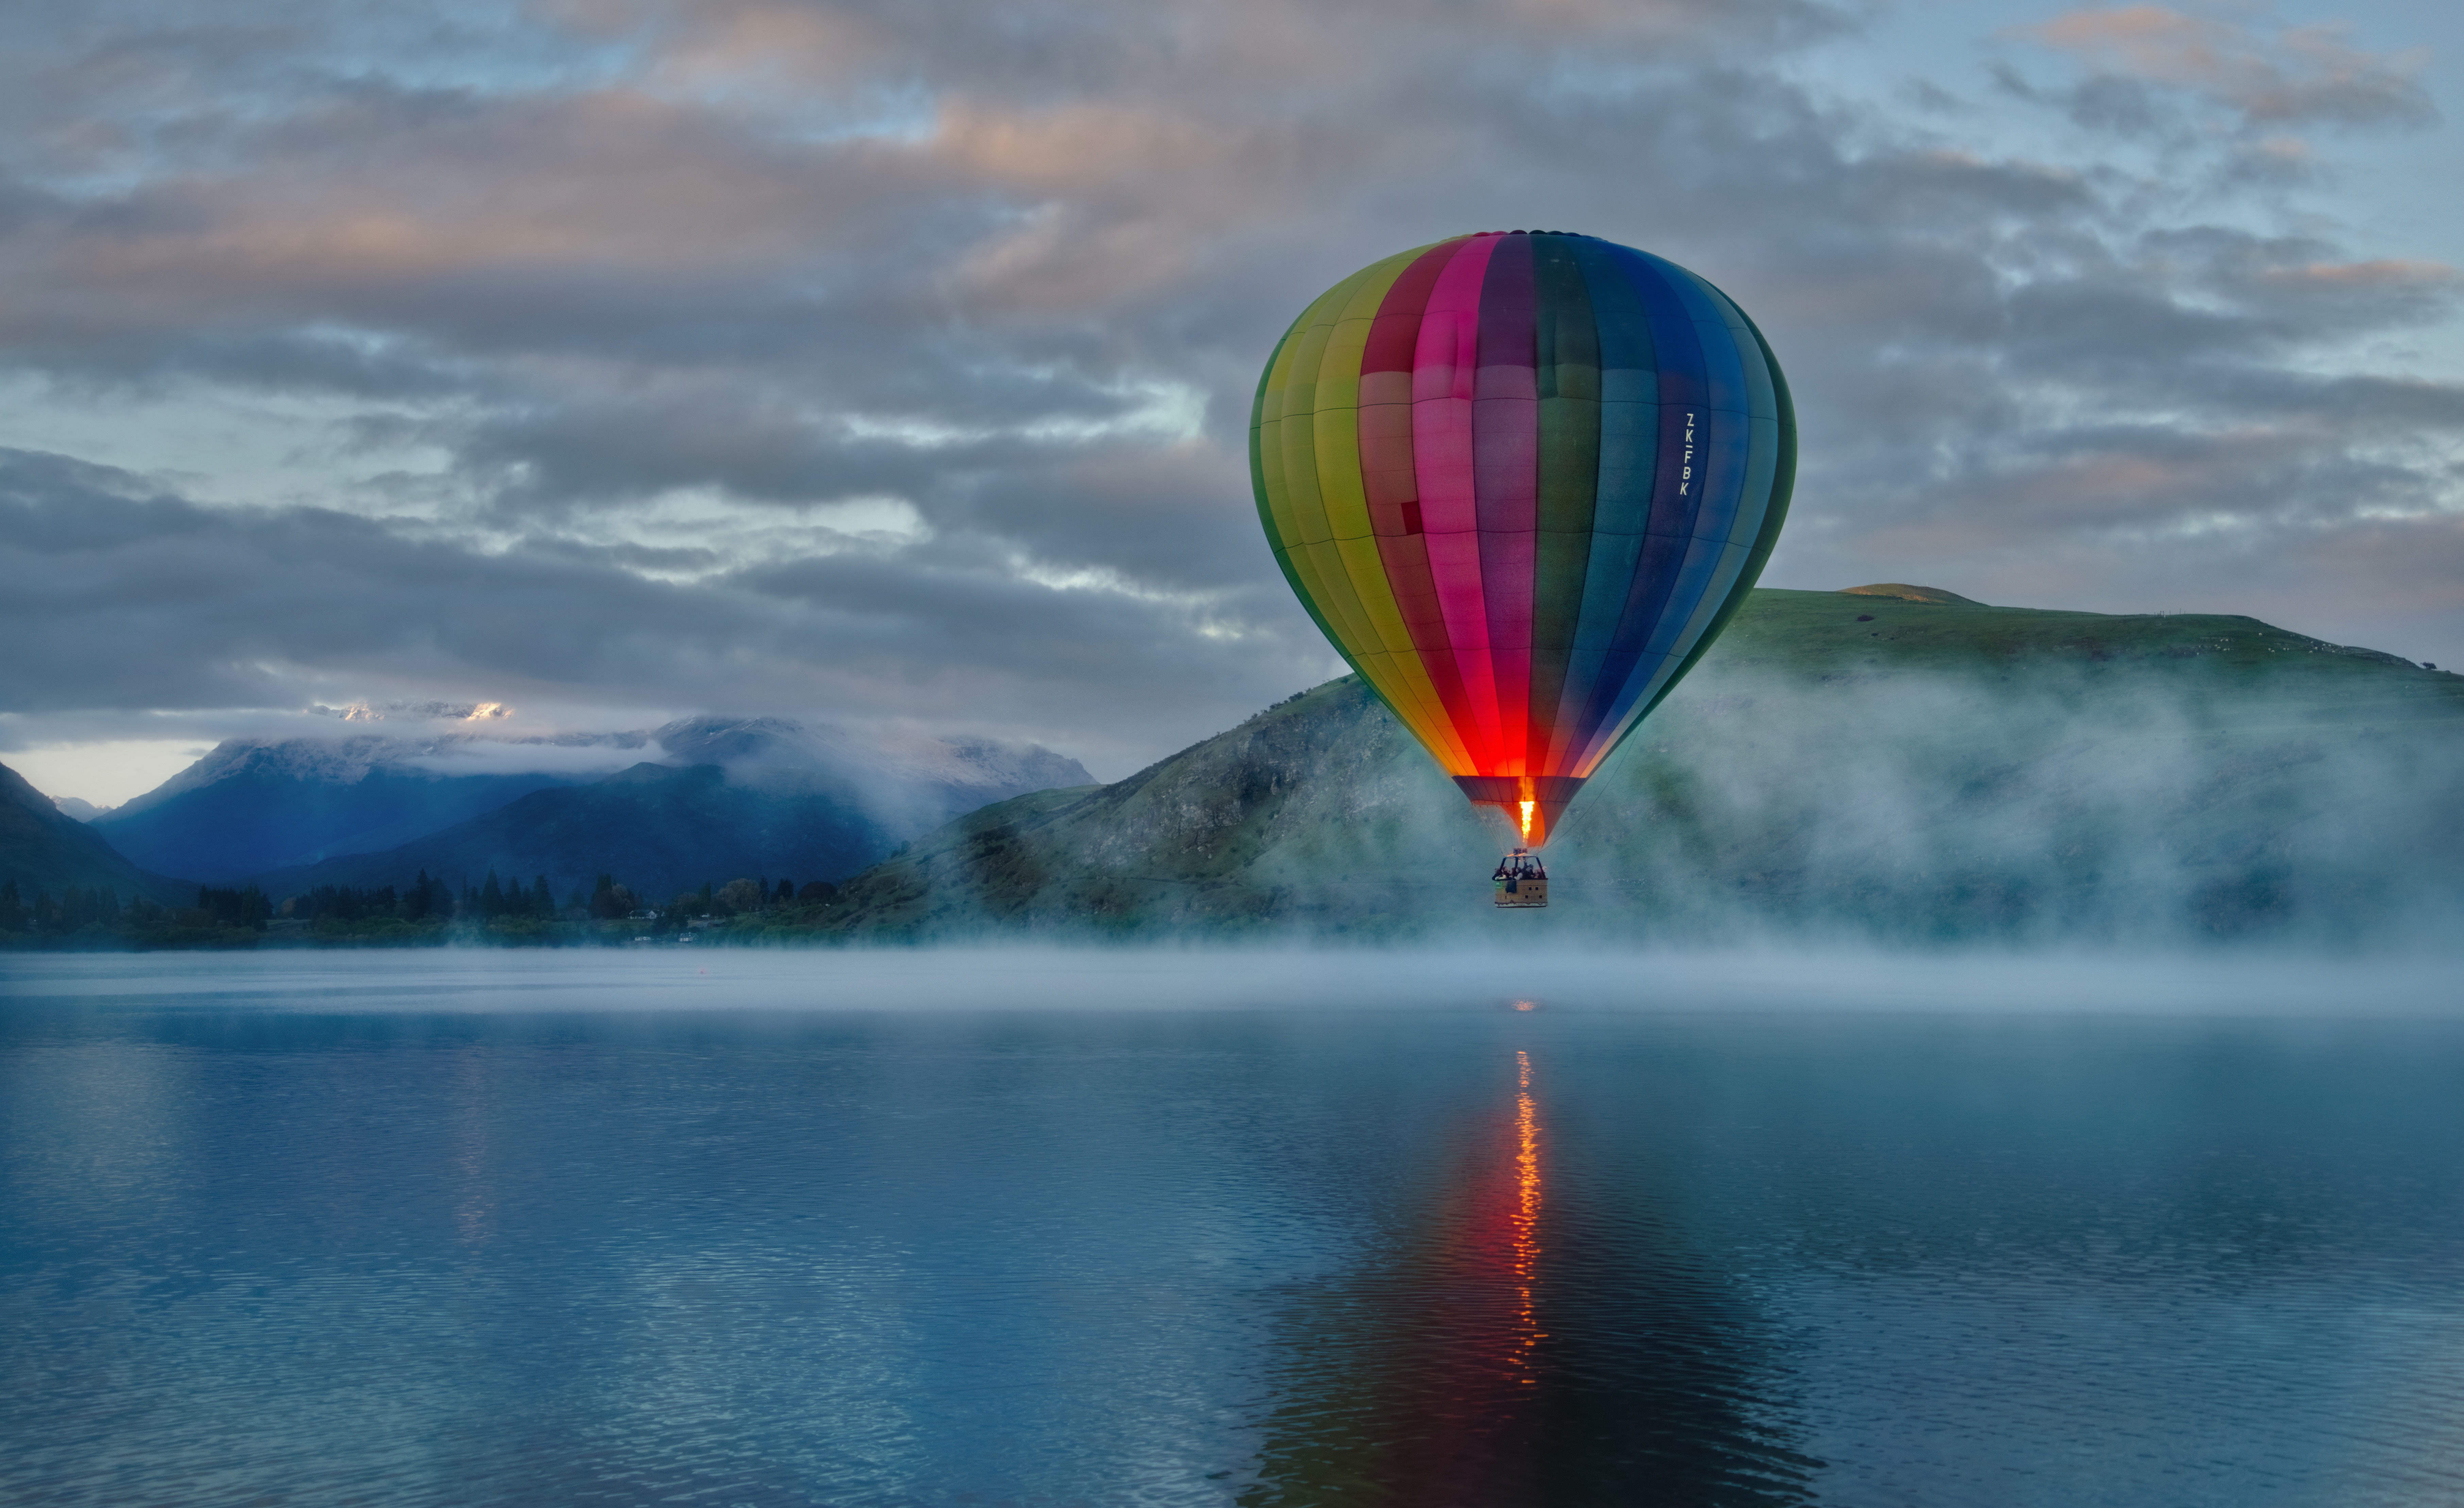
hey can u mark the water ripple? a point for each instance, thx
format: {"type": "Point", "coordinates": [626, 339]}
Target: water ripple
{"type": "Point", "coordinates": [1304, 1256]}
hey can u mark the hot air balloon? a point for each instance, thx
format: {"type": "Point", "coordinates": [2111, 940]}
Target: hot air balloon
{"type": "Point", "coordinates": [1521, 481]}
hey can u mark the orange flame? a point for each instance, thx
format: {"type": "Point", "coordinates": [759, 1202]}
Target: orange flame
{"type": "Point", "coordinates": [1527, 819]}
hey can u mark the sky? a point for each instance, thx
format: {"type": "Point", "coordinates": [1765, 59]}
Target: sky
{"type": "Point", "coordinates": [889, 360]}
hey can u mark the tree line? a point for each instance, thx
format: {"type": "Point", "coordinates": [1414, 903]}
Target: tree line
{"type": "Point", "coordinates": [77, 907]}
{"type": "Point", "coordinates": [427, 905]}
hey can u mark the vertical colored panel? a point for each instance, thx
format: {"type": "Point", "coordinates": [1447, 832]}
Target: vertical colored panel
{"type": "Point", "coordinates": [1445, 359]}
{"type": "Point", "coordinates": [1765, 538]}
{"type": "Point", "coordinates": [1322, 473]}
{"type": "Point", "coordinates": [1274, 496]}
{"type": "Point", "coordinates": [1567, 350]}
{"type": "Point", "coordinates": [1342, 488]}
{"type": "Point", "coordinates": [1313, 534]}
{"type": "Point", "coordinates": [1266, 481]}
{"type": "Point", "coordinates": [1667, 520]}
{"type": "Point", "coordinates": [1391, 485]}
{"type": "Point", "coordinates": [1732, 562]}
{"type": "Point", "coordinates": [1723, 378]}
{"type": "Point", "coordinates": [1629, 448]}
{"type": "Point", "coordinates": [1506, 484]}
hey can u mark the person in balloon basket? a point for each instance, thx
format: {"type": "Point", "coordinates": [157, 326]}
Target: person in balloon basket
{"type": "Point", "coordinates": [1521, 876]}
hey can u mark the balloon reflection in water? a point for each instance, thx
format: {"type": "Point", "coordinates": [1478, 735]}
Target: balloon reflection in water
{"type": "Point", "coordinates": [1427, 1384]}
{"type": "Point", "coordinates": [1520, 1344]}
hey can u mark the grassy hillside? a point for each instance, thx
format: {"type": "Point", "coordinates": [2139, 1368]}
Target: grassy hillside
{"type": "Point", "coordinates": [1864, 764]}
{"type": "Point", "coordinates": [2233, 667]}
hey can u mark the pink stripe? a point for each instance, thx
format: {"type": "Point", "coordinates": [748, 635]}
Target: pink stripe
{"type": "Point", "coordinates": [1454, 567]}
{"type": "Point", "coordinates": [1444, 372]}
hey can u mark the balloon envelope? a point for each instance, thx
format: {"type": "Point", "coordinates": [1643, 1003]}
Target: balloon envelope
{"type": "Point", "coordinates": [1521, 481]}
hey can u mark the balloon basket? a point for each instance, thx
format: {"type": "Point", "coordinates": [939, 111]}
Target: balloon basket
{"type": "Point", "coordinates": [1521, 883]}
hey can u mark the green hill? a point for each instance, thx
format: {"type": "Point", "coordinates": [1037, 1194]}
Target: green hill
{"type": "Point", "coordinates": [1890, 763]}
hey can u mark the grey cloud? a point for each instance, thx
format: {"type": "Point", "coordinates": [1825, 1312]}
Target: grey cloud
{"type": "Point", "coordinates": [2297, 76]}
{"type": "Point", "coordinates": [140, 599]}
{"type": "Point", "coordinates": [595, 255]}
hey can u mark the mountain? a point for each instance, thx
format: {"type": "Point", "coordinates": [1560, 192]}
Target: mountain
{"type": "Point", "coordinates": [256, 808]}
{"type": "Point", "coordinates": [251, 806]}
{"type": "Point", "coordinates": [78, 808]}
{"type": "Point", "coordinates": [906, 783]}
{"type": "Point", "coordinates": [42, 847]}
{"type": "Point", "coordinates": [751, 798]}
{"type": "Point", "coordinates": [1892, 762]}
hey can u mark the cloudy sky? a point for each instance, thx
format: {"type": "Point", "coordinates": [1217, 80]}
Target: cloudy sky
{"type": "Point", "coordinates": [891, 359]}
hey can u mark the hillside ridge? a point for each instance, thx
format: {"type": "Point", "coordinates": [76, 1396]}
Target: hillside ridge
{"type": "Point", "coordinates": [1841, 761]}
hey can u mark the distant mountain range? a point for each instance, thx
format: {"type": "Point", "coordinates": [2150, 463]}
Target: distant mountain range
{"type": "Point", "coordinates": [251, 806]}
{"type": "Point", "coordinates": [734, 798]}
{"type": "Point", "coordinates": [42, 847]}
{"type": "Point", "coordinates": [708, 799]}
{"type": "Point", "coordinates": [1895, 762]}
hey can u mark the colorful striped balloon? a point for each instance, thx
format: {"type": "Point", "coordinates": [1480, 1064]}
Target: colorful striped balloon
{"type": "Point", "coordinates": [1521, 481]}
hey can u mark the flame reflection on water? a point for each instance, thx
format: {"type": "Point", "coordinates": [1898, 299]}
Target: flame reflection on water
{"type": "Point", "coordinates": [1526, 1215]}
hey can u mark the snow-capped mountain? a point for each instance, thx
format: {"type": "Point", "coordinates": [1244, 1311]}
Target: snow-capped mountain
{"type": "Point", "coordinates": [251, 807]}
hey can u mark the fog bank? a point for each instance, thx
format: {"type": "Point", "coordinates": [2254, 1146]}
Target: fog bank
{"type": "Point", "coordinates": [1770, 982]}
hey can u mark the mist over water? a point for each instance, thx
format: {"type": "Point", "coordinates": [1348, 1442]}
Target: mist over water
{"type": "Point", "coordinates": [1185, 1226]}
{"type": "Point", "coordinates": [1265, 976]}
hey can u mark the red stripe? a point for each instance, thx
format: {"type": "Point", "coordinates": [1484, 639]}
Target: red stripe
{"type": "Point", "coordinates": [1387, 477]}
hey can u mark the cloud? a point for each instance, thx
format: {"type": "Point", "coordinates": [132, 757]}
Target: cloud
{"type": "Point", "coordinates": [893, 360]}
{"type": "Point", "coordinates": [2301, 76]}
{"type": "Point", "coordinates": [142, 600]}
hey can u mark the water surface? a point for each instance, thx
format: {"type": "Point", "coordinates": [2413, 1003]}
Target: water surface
{"type": "Point", "coordinates": [1188, 1229]}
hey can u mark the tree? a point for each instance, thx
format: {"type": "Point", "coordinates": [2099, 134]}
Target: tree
{"type": "Point", "coordinates": [246, 907]}
{"type": "Point", "coordinates": [611, 900]}
{"type": "Point", "coordinates": [426, 897]}
{"type": "Point", "coordinates": [738, 895]}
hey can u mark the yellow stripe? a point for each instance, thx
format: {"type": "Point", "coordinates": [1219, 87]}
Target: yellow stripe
{"type": "Point", "coordinates": [1312, 539]}
{"type": "Point", "coordinates": [1274, 461]}
{"type": "Point", "coordinates": [1310, 458]}
{"type": "Point", "coordinates": [1336, 431]}
{"type": "Point", "coordinates": [1415, 696]}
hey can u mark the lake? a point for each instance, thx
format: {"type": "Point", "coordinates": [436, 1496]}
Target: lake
{"type": "Point", "coordinates": [983, 1227]}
